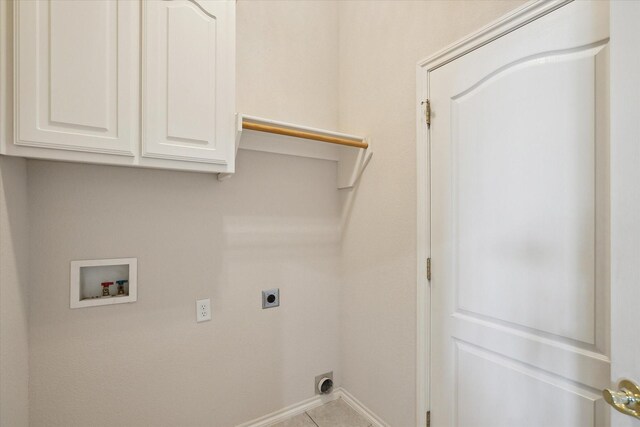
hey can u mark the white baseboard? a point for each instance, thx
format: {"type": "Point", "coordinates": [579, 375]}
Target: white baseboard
{"type": "Point", "coordinates": [290, 411]}
{"type": "Point", "coordinates": [306, 405]}
{"type": "Point", "coordinates": [348, 398]}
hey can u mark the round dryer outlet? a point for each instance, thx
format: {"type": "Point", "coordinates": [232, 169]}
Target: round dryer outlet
{"type": "Point", "coordinates": [324, 383]}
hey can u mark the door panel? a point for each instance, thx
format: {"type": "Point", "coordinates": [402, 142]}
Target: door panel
{"type": "Point", "coordinates": [190, 116]}
{"type": "Point", "coordinates": [75, 70]}
{"type": "Point", "coordinates": [520, 235]}
{"type": "Point", "coordinates": [552, 403]}
{"type": "Point", "coordinates": [188, 101]}
{"type": "Point", "coordinates": [525, 228]}
{"type": "Point", "coordinates": [83, 84]}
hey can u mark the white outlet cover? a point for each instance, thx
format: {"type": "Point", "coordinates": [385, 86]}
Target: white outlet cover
{"type": "Point", "coordinates": [203, 310]}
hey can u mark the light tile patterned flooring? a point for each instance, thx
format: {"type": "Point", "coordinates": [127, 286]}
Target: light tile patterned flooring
{"type": "Point", "coordinates": [332, 414]}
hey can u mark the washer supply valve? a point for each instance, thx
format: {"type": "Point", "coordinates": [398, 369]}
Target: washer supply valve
{"type": "Point", "coordinates": [121, 284]}
{"type": "Point", "coordinates": [105, 288]}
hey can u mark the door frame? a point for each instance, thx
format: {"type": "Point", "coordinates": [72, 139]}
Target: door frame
{"type": "Point", "coordinates": [625, 204]}
{"type": "Point", "coordinates": [513, 20]}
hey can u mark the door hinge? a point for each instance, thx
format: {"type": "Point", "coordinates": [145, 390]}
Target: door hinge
{"type": "Point", "coordinates": [429, 269]}
{"type": "Point", "coordinates": [428, 418]}
{"type": "Point", "coordinates": [427, 111]}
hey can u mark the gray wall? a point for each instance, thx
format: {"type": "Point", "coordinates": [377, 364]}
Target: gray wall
{"type": "Point", "coordinates": [150, 363]}
{"type": "Point", "coordinates": [14, 304]}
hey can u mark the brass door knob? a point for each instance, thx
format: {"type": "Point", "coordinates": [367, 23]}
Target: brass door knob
{"type": "Point", "coordinates": [626, 399]}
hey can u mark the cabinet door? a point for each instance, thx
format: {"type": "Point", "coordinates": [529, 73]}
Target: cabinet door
{"type": "Point", "coordinates": [75, 71]}
{"type": "Point", "coordinates": [188, 80]}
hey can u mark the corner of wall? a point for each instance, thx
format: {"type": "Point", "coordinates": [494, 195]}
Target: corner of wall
{"type": "Point", "coordinates": [14, 327]}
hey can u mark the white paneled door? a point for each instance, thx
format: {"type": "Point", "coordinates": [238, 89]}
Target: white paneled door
{"type": "Point", "coordinates": [75, 64]}
{"type": "Point", "coordinates": [520, 214]}
{"type": "Point", "coordinates": [188, 76]}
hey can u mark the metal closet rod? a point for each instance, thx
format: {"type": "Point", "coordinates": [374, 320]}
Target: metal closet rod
{"type": "Point", "coordinates": [281, 130]}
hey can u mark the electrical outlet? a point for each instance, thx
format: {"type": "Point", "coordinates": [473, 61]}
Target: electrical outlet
{"type": "Point", "coordinates": [271, 298]}
{"type": "Point", "coordinates": [203, 310]}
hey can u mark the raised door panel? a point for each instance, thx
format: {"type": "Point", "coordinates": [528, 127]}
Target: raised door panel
{"type": "Point", "coordinates": [75, 75]}
{"type": "Point", "coordinates": [549, 402]}
{"type": "Point", "coordinates": [525, 205]}
{"type": "Point", "coordinates": [188, 97]}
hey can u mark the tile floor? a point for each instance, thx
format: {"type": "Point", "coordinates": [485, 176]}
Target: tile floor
{"type": "Point", "coordinates": [332, 414]}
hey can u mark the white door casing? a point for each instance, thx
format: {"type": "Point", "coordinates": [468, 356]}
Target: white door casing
{"type": "Point", "coordinates": [625, 197]}
{"type": "Point", "coordinates": [73, 74]}
{"type": "Point", "coordinates": [520, 222]}
{"type": "Point", "coordinates": [188, 80]}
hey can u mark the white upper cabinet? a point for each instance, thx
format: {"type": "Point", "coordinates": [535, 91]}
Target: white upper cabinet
{"type": "Point", "coordinates": [74, 73]}
{"type": "Point", "coordinates": [126, 82]}
{"type": "Point", "coordinates": [188, 80]}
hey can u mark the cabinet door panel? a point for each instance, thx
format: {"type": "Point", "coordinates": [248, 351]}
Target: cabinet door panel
{"type": "Point", "coordinates": [74, 75]}
{"type": "Point", "coordinates": [188, 97]}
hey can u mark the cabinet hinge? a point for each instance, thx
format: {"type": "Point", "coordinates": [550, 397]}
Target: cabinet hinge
{"type": "Point", "coordinates": [427, 111]}
{"type": "Point", "coordinates": [429, 269]}
{"type": "Point", "coordinates": [428, 418]}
